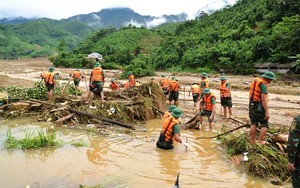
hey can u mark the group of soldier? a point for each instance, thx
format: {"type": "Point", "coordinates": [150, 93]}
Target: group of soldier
{"type": "Point", "coordinates": [258, 113]}
{"type": "Point", "coordinates": [96, 81]}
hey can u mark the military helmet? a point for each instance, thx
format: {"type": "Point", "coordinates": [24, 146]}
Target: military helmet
{"type": "Point", "coordinates": [176, 113]}
{"type": "Point", "coordinates": [51, 69]}
{"type": "Point", "coordinates": [97, 64]}
{"type": "Point", "coordinates": [269, 75]}
{"type": "Point", "coordinates": [223, 78]}
{"type": "Point", "coordinates": [206, 90]}
{"type": "Point", "coordinates": [171, 108]}
{"type": "Point", "coordinates": [203, 74]}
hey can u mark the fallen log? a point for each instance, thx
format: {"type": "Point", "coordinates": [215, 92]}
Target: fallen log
{"type": "Point", "coordinates": [65, 118]}
{"type": "Point", "coordinates": [87, 114]}
{"type": "Point", "coordinates": [192, 122]}
{"type": "Point", "coordinates": [216, 136]}
{"type": "Point", "coordinates": [158, 110]}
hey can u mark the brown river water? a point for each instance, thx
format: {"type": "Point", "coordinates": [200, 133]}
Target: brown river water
{"type": "Point", "coordinates": [122, 161]}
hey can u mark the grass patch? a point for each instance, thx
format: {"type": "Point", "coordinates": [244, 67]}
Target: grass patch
{"type": "Point", "coordinates": [32, 139]}
{"type": "Point", "coordinates": [79, 143]}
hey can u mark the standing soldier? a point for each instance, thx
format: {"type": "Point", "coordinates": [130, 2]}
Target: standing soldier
{"type": "Point", "coordinates": [258, 106]}
{"type": "Point", "coordinates": [164, 83]}
{"type": "Point", "coordinates": [77, 77]}
{"type": "Point", "coordinates": [113, 85]}
{"type": "Point", "coordinates": [131, 81]}
{"type": "Point", "coordinates": [195, 89]}
{"type": "Point", "coordinates": [203, 84]}
{"type": "Point", "coordinates": [96, 82]}
{"type": "Point", "coordinates": [174, 94]}
{"type": "Point", "coordinates": [225, 94]}
{"type": "Point", "coordinates": [49, 82]}
{"type": "Point", "coordinates": [209, 103]}
{"type": "Point", "coordinates": [293, 151]}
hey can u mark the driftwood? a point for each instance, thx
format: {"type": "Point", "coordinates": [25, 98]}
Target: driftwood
{"type": "Point", "coordinates": [192, 122]}
{"type": "Point", "coordinates": [216, 136]}
{"type": "Point", "coordinates": [65, 118]}
{"type": "Point", "coordinates": [87, 114]}
{"type": "Point", "coordinates": [158, 110]}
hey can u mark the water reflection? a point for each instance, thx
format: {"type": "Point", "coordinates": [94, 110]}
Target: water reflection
{"type": "Point", "coordinates": [97, 148]}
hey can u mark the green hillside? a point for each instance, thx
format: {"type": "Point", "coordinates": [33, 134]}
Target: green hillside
{"type": "Point", "coordinates": [232, 40]}
{"type": "Point", "coordinates": [235, 38]}
{"type": "Point", "coordinates": [40, 37]}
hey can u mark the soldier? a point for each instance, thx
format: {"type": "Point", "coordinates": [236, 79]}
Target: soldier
{"type": "Point", "coordinates": [225, 96]}
{"type": "Point", "coordinates": [195, 89]}
{"type": "Point", "coordinates": [293, 151]}
{"type": "Point", "coordinates": [258, 106]}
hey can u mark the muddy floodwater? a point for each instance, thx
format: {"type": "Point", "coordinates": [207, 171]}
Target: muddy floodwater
{"type": "Point", "coordinates": [121, 160]}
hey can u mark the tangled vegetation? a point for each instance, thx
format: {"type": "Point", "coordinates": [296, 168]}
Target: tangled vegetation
{"type": "Point", "coordinates": [264, 161]}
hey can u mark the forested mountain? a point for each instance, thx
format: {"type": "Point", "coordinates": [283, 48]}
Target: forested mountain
{"type": "Point", "coordinates": [232, 39]}
{"type": "Point", "coordinates": [121, 17]}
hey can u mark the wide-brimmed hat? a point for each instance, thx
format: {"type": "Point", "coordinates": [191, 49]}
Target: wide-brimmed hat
{"type": "Point", "coordinates": [97, 65]}
{"type": "Point", "coordinates": [173, 78]}
{"type": "Point", "coordinates": [171, 108]}
{"type": "Point", "coordinates": [163, 75]}
{"type": "Point", "coordinates": [51, 69]}
{"type": "Point", "coordinates": [176, 113]}
{"type": "Point", "coordinates": [223, 78]}
{"type": "Point", "coordinates": [203, 74]}
{"type": "Point", "coordinates": [113, 79]}
{"type": "Point", "coordinates": [270, 75]}
{"type": "Point", "coordinates": [206, 91]}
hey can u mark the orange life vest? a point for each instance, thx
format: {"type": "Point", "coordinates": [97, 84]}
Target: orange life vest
{"type": "Point", "coordinates": [131, 80]}
{"type": "Point", "coordinates": [168, 124]}
{"type": "Point", "coordinates": [49, 78]}
{"type": "Point", "coordinates": [161, 81]}
{"type": "Point", "coordinates": [174, 86]}
{"type": "Point", "coordinates": [255, 92]}
{"type": "Point", "coordinates": [77, 75]}
{"type": "Point", "coordinates": [206, 83]}
{"type": "Point", "coordinates": [195, 89]}
{"type": "Point", "coordinates": [114, 86]}
{"type": "Point", "coordinates": [224, 93]}
{"type": "Point", "coordinates": [207, 101]}
{"type": "Point", "coordinates": [166, 115]}
{"type": "Point", "coordinates": [97, 74]}
{"type": "Point", "coordinates": [166, 83]}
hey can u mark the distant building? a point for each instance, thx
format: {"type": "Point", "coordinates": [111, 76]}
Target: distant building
{"type": "Point", "coordinates": [275, 67]}
{"type": "Point", "coordinates": [94, 55]}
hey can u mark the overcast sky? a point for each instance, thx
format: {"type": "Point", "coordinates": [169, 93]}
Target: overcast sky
{"type": "Point", "coordinates": [58, 9]}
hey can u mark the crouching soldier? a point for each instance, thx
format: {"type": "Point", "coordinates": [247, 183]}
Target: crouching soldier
{"type": "Point", "coordinates": [293, 151]}
{"type": "Point", "coordinates": [170, 131]}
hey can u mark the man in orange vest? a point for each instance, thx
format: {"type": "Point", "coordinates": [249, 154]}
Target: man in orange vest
{"type": "Point", "coordinates": [114, 85]}
{"type": "Point", "coordinates": [49, 80]}
{"type": "Point", "coordinates": [164, 83]}
{"type": "Point", "coordinates": [203, 84]}
{"type": "Point", "coordinates": [225, 96]}
{"type": "Point", "coordinates": [195, 89]}
{"type": "Point", "coordinates": [131, 81]}
{"type": "Point", "coordinates": [77, 77]}
{"type": "Point", "coordinates": [209, 103]}
{"type": "Point", "coordinates": [174, 93]}
{"type": "Point", "coordinates": [170, 131]}
{"type": "Point", "coordinates": [258, 106]}
{"type": "Point", "coordinates": [96, 82]}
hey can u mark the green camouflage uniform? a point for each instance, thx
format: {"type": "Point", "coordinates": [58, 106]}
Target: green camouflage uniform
{"type": "Point", "coordinates": [293, 150]}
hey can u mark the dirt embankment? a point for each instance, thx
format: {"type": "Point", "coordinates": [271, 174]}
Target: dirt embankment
{"type": "Point", "coordinates": [282, 98]}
